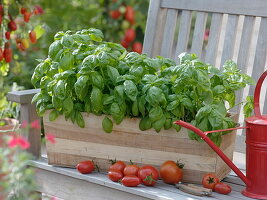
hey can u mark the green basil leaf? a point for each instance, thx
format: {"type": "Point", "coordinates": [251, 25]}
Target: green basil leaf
{"type": "Point", "coordinates": [96, 100]}
{"type": "Point", "coordinates": [59, 89]}
{"type": "Point", "coordinates": [113, 74]}
{"type": "Point", "coordinates": [53, 115]}
{"type": "Point", "coordinates": [153, 96]}
{"type": "Point", "coordinates": [54, 48]}
{"type": "Point", "coordinates": [97, 80]}
{"type": "Point", "coordinates": [157, 125]}
{"type": "Point", "coordinates": [145, 124]}
{"type": "Point", "coordinates": [130, 89]}
{"type": "Point", "coordinates": [81, 87]}
{"type": "Point", "coordinates": [67, 41]}
{"type": "Point", "coordinates": [68, 105]}
{"type": "Point", "coordinates": [107, 125]}
{"type": "Point", "coordinates": [155, 114]}
{"type": "Point", "coordinates": [57, 103]}
{"type": "Point", "coordinates": [79, 119]}
{"type": "Point", "coordinates": [135, 110]}
{"type": "Point", "coordinates": [66, 63]}
{"type": "Point", "coordinates": [141, 105]}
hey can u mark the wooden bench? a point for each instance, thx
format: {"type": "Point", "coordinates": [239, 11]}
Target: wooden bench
{"type": "Point", "coordinates": [167, 34]}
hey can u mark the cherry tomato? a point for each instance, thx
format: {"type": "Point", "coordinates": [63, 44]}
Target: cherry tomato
{"type": "Point", "coordinates": [115, 175]}
{"type": "Point", "coordinates": [148, 175]}
{"type": "Point", "coordinates": [129, 35]}
{"type": "Point", "coordinates": [119, 165]}
{"type": "Point", "coordinates": [23, 10]}
{"type": "Point", "coordinates": [137, 47]}
{"type": "Point", "coordinates": [27, 16]}
{"type": "Point", "coordinates": [12, 25]}
{"type": "Point", "coordinates": [130, 181]}
{"type": "Point", "coordinates": [115, 14]}
{"type": "Point", "coordinates": [1, 54]}
{"type": "Point", "coordinates": [1, 19]}
{"type": "Point", "coordinates": [131, 170]}
{"type": "Point", "coordinates": [129, 14]}
{"type": "Point", "coordinates": [7, 34]}
{"type": "Point", "coordinates": [7, 53]}
{"type": "Point", "coordinates": [124, 44]}
{"type": "Point", "coordinates": [25, 43]}
{"type": "Point", "coordinates": [222, 188]}
{"type": "Point", "coordinates": [170, 172]}
{"type": "Point", "coordinates": [85, 167]}
{"type": "Point", "coordinates": [210, 180]}
{"type": "Point", "coordinates": [38, 10]}
{"type": "Point", "coordinates": [125, 24]}
{"type": "Point", "coordinates": [32, 36]}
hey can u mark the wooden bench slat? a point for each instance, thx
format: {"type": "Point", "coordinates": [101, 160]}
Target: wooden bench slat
{"type": "Point", "coordinates": [169, 31]}
{"type": "Point", "coordinates": [229, 39]}
{"type": "Point", "coordinates": [214, 36]}
{"type": "Point", "coordinates": [154, 7]}
{"type": "Point", "coordinates": [198, 35]}
{"type": "Point", "coordinates": [238, 7]}
{"type": "Point", "coordinates": [184, 31]}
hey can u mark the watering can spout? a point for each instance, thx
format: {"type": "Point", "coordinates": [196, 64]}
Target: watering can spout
{"type": "Point", "coordinates": [215, 148]}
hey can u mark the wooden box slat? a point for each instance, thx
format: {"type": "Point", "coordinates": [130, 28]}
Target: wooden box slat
{"type": "Point", "coordinates": [127, 142]}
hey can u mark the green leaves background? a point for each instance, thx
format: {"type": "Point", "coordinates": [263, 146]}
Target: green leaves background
{"type": "Point", "coordinates": [83, 73]}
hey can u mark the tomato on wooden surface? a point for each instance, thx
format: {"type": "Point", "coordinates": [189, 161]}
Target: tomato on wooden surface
{"type": "Point", "coordinates": [115, 175]}
{"type": "Point", "coordinates": [130, 181]}
{"type": "Point", "coordinates": [148, 175]}
{"type": "Point", "coordinates": [210, 180]}
{"type": "Point", "coordinates": [222, 188]}
{"type": "Point", "coordinates": [131, 170]}
{"type": "Point", "coordinates": [85, 167]}
{"type": "Point", "coordinates": [171, 172]}
{"type": "Point", "coordinates": [118, 165]}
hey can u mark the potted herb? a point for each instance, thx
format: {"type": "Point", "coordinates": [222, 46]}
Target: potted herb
{"type": "Point", "coordinates": [84, 74]}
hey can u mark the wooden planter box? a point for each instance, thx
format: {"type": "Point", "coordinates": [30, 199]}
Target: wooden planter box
{"type": "Point", "coordinates": [127, 142]}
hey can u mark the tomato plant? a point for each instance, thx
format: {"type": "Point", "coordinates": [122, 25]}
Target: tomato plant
{"type": "Point", "coordinates": [148, 175]}
{"type": "Point", "coordinates": [210, 180]}
{"type": "Point", "coordinates": [171, 172]}
{"type": "Point", "coordinates": [85, 167]}
{"type": "Point", "coordinates": [115, 175]}
{"type": "Point", "coordinates": [118, 165]}
{"type": "Point", "coordinates": [130, 181]}
{"type": "Point", "coordinates": [222, 188]}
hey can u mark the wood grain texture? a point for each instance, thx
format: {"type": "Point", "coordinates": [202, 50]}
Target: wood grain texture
{"type": "Point", "coordinates": [169, 31]}
{"type": "Point", "coordinates": [238, 7]}
{"type": "Point", "coordinates": [152, 20]}
{"type": "Point", "coordinates": [198, 36]}
{"type": "Point", "coordinates": [184, 31]}
{"type": "Point", "coordinates": [229, 39]}
{"type": "Point", "coordinates": [214, 36]}
{"type": "Point", "coordinates": [127, 142]}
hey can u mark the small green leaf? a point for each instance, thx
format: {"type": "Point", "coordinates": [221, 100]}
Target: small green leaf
{"type": "Point", "coordinates": [107, 125]}
{"type": "Point", "coordinates": [53, 115]}
{"type": "Point", "coordinates": [79, 119]}
{"type": "Point", "coordinates": [130, 89]}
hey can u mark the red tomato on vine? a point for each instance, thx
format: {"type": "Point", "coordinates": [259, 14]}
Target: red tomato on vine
{"type": "Point", "coordinates": [210, 180]}
{"type": "Point", "coordinates": [129, 14]}
{"type": "Point", "coordinates": [148, 175]}
{"type": "Point", "coordinates": [137, 47]}
{"type": "Point", "coordinates": [32, 36]}
{"type": "Point", "coordinates": [130, 35]}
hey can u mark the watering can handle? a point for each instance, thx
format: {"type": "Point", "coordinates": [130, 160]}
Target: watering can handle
{"type": "Point", "coordinates": [257, 94]}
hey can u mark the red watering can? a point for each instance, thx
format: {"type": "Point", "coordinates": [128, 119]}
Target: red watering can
{"type": "Point", "coordinates": [256, 149]}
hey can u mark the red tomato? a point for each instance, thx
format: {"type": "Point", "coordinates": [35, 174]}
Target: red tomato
{"type": "Point", "coordinates": [170, 172]}
{"type": "Point", "coordinates": [131, 170]}
{"type": "Point", "coordinates": [7, 53]}
{"type": "Point", "coordinates": [85, 167]}
{"type": "Point", "coordinates": [12, 25]}
{"type": "Point", "coordinates": [130, 181]}
{"type": "Point", "coordinates": [1, 18]}
{"type": "Point", "coordinates": [210, 180]}
{"type": "Point", "coordinates": [115, 14]}
{"type": "Point", "coordinates": [38, 10]}
{"type": "Point", "coordinates": [119, 165]}
{"type": "Point", "coordinates": [148, 175]}
{"type": "Point", "coordinates": [129, 35]}
{"type": "Point", "coordinates": [23, 10]}
{"type": "Point", "coordinates": [1, 54]}
{"type": "Point", "coordinates": [124, 44]}
{"type": "Point", "coordinates": [222, 188]}
{"type": "Point", "coordinates": [7, 34]}
{"type": "Point", "coordinates": [27, 16]}
{"type": "Point", "coordinates": [115, 175]}
{"type": "Point", "coordinates": [129, 14]}
{"type": "Point", "coordinates": [32, 36]}
{"type": "Point", "coordinates": [137, 47]}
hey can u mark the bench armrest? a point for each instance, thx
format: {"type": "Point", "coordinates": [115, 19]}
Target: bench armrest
{"type": "Point", "coordinates": [28, 114]}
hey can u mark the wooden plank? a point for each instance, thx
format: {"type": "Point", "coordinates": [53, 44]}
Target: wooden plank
{"type": "Point", "coordinates": [169, 31]}
{"type": "Point", "coordinates": [214, 36]}
{"type": "Point", "coordinates": [28, 114]}
{"type": "Point", "coordinates": [260, 55]}
{"type": "Point", "coordinates": [184, 31]}
{"type": "Point", "coordinates": [198, 36]}
{"type": "Point", "coordinates": [152, 18]}
{"type": "Point", "coordinates": [229, 39]}
{"type": "Point", "coordinates": [24, 96]}
{"type": "Point", "coordinates": [238, 7]}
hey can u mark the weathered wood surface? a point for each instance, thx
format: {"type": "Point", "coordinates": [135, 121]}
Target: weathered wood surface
{"type": "Point", "coordinates": [237, 7]}
{"type": "Point", "coordinates": [68, 184]}
{"type": "Point", "coordinates": [128, 142]}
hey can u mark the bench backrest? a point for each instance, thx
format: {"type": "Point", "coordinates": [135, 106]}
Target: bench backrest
{"type": "Point", "coordinates": [237, 31]}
